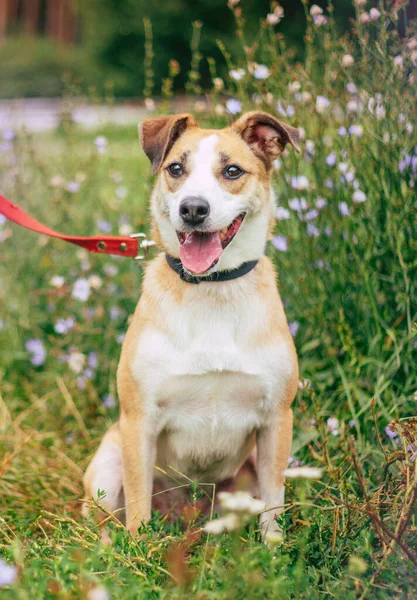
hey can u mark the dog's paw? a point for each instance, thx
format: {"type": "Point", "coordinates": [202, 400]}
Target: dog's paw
{"type": "Point", "coordinates": [271, 532]}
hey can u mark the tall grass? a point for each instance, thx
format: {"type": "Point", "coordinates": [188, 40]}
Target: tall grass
{"type": "Point", "coordinates": [345, 246]}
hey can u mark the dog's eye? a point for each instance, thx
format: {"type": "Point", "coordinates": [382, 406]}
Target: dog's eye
{"type": "Point", "coordinates": [233, 172]}
{"type": "Point", "coordinates": [175, 170]}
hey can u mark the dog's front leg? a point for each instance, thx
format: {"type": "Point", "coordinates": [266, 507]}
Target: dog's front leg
{"type": "Point", "coordinates": [273, 451]}
{"type": "Point", "coordinates": [138, 458]}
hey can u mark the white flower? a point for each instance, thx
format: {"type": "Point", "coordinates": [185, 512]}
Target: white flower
{"type": "Point", "coordinates": [279, 11]}
{"type": "Point", "coordinates": [229, 522]}
{"type": "Point", "coordinates": [310, 147]}
{"type": "Point", "coordinates": [125, 229]}
{"type": "Point", "coordinates": [277, 164]}
{"type": "Point", "coordinates": [333, 425]}
{"type": "Point", "coordinates": [8, 574]}
{"type": "Point", "coordinates": [121, 192]}
{"type": "Point", "coordinates": [98, 593]}
{"type": "Point", "coordinates": [343, 167]}
{"type": "Point", "coordinates": [348, 60]}
{"type": "Point", "coordinates": [358, 197]}
{"type": "Point", "coordinates": [360, 3]}
{"type": "Point", "coordinates": [344, 209]}
{"type": "Point", "coordinates": [62, 326]}
{"type": "Point", "coordinates": [352, 106]}
{"type": "Point", "coordinates": [306, 97]}
{"type": "Point", "coordinates": [351, 88]}
{"type": "Point", "coordinates": [95, 282]}
{"type": "Point", "coordinates": [73, 187]}
{"type": "Point", "coordinates": [233, 106]}
{"type": "Point", "coordinates": [320, 20]}
{"type": "Point", "coordinates": [237, 74]}
{"type": "Point", "coordinates": [272, 19]}
{"type": "Point", "coordinates": [300, 183]}
{"type": "Point", "coordinates": [149, 104]}
{"type": "Point", "coordinates": [356, 130]}
{"type": "Point", "coordinates": [412, 44]}
{"type": "Point", "coordinates": [315, 10]}
{"type": "Point", "coordinates": [294, 86]}
{"type": "Point", "coordinates": [57, 181]}
{"type": "Point", "coordinates": [101, 143]}
{"type": "Point", "coordinates": [303, 473]}
{"type": "Point", "coordinates": [374, 14]}
{"type": "Point", "coordinates": [240, 502]}
{"type": "Point", "coordinates": [321, 104]}
{"type": "Point", "coordinates": [218, 83]}
{"type": "Point", "coordinates": [219, 109]}
{"type": "Point", "coordinates": [282, 214]}
{"type": "Point", "coordinates": [364, 18]}
{"type": "Point", "coordinates": [398, 61]}
{"type": "Point", "coordinates": [81, 289]}
{"type": "Point", "coordinates": [76, 361]}
{"type": "Point", "coordinates": [331, 159]}
{"type": "Point", "coordinates": [409, 128]}
{"type": "Point", "coordinates": [261, 72]}
{"type": "Point", "coordinates": [320, 203]}
{"type": "Point", "coordinates": [298, 204]}
{"type": "Point", "coordinates": [284, 109]}
{"type": "Point", "coordinates": [57, 281]}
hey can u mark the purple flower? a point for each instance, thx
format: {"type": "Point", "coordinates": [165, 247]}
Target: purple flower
{"type": "Point", "coordinates": [280, 243]}
{"type": "Point", "coordinates": [298, 204]}
{"type": "Point", "coordinates": [358, 196]}
{"type": "Point", "coordinates": [8, 574]}
{"type": "Point", "coordinates": [121, 338]}
{"type": "Point", "coordinates": [294, 328]}
{"type": "Point", "coordinates": [233, 106]}
{"type": "Point", "coordinates": [101, 143]}
{"type": "Point", "coordinates": [81, 289]}
{"type": "Point", "coordinates": [344, 209]}
{"type": "Point", "coordinates": [89, 373]}
{"type": "Point", "coordinates": [328, 231]}
{"type": "Point", "coordinates": [73, 187]}
{"type": "Point", "coordinates": [8, 135]}
{"type": "Point", "coordinates": [320, 203]}
{"type": "Point", "coordinates": [342, 131]}
{"type": "Point", "coordinates": [393, 435]}
{"type": "Point", "coordinates": [109, 401]}
{"type": "Point", "coordinates": [37, 350]}
{"type": "Point", "coordinates": [300, 183]}
{"type": "Point", "coordinates": [110, 270]}
{"type": "Point", "coordinates": [282, 213]}
{"type": "Point", "coordinates": [312, 230]}
{"type": "Point", "coordinates": [62, 326]}
{"type": "Point", "coordinates": [333, 425]}
{"type": "Point", "coordinates": [104, 225]}
{"type": "Point", "coordinates": [331, 159]}
{"type": "Point", "coordinates": [352, 423]}
{"type": "Point", "coordinates": [92, 360]}
{"type": "Point", "coordinates": [311, 215]}
{"type": "Point", "coordinates": [115, 313]}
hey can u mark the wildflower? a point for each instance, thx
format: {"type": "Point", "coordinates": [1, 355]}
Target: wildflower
{"type": "Point", "coordinates": [200, 106]}
{"type": "Point", "coordinates": [300, 183]}
{"type": "Point", "coordinates": [149, 104]}
{"type": "Point", "coordinates": [398, 61]}
{"type": "Point", "coordinates": [306, 97]}
{"type": "Point", "coordinates": [57, 281]}
{"type": "Point", "coordinates": [95, 282]}
{"type": "Point", "coordinates": [352, 106]}
{"type": "Point", "coordinates": [320, 203]}
{"type": "Point", "coordinates": [277, 164]}
{"type": "Point", "coordinates": [219, 109]}
{"type": "Point", "coordinates": [237, 74]}
{"type": "Point", "coordinates": [312, 230]}
{"type": "Point", "coordinates": [294, 86]}
{"type": "Point", "coordinates": [110, 270]}
{"type": "Point", "coordinates": [356, 130]}
{"type": "Point", "coordinates": [374, 14]}
{"type": "Point", "coordinates": [348, 60]}
{"type": "Point", "coordinates": [319, 20]}
{"type": "Point", "coordinates": [57, 181]}
{"type": "Point", "coordinates": [98, 593]}
{"type": "Point", "coordinates": [393, 435]}
{"type": "Point", "coordinates": [121, 338]}
{"type": "Point", "coordinates": [36, 348]}
{"type": "Point", "coordinates": [331, 159]}
{"type": "Point", "coordinates": [294, 328]}
{"type": "Point", "coordinates": [109, 401]}
{"type": "Point", "coordinates": [282, 214]}
{"type": "Point", "coordinates": [298, 204]}
{"type": "Point", "coordinates": [233, 106]}
{"type": "Point", "coordinates": [229, 522]}
{"type": "Point", "coordinates": [73, 187]}
{"type": "Point", "coordinates": [358, 197]}
{"type": "Point", "coordinates": [62, 326]}
{"type": "Point", "coordinates": [364, 18]}
{"type": "Point", "coordinates": [316, 10]}
{"type": "Point", "coordinates": [333, 425]}
{"type": "Point", "coordinates": [81, 289]}
{"type": "Point", "coordinates": [272, 19]}
{"type": "Point", "coordinates": [280, 243]}
{"type": "Point", "coordinates": [286, 110]}
{"type": "Point", "coordinates": [344, 209]}
{"type": "Point", "coordinates": [101, 143]}
{"type": "Point", "coordinates": [360, 3]}
{"type": "Point", "coordinates": [311, 215]}
{"type": "Point", "coordinates": [218, 83]}
{"type": "Point", "coordinates": [342, 131]}
{"type": "Point", "coordinates": [351, 88]}
{"type": "Point", "coordinates": [76, 361]}
{"type": "Point", "coordinates": [303, 473]}
{"type": "Point", "coordinates": [8, 135]}
{"type": "Point", "coordinates": [104, 225]}
{"type": "Point", "coordinates": [240, 502]}
{"type": "Point", "coordinates": [343, 167]}
{"type": "Point", "coordinates": [261, 72]}
{"type": "Point", "coordinates": [328, 231]}
{"type": "Point", "coordinates": [8, 574]}
{"type": "Point", "coordinates": [310, 147]}
{"type": "Point", "coordinates": [321, 104]}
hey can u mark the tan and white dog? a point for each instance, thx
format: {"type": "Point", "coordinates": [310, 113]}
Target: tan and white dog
{"type": "Point", "coordinates": [208, 371]}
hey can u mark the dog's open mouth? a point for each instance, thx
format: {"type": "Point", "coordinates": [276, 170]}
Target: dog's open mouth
{"type": "Point", "coordinates": [200, 250]}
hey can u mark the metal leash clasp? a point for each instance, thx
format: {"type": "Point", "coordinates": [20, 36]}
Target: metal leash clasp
{"type": "Point", "coordinates": [144, 245]}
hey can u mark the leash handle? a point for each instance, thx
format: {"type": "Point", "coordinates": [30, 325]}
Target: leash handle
{"type": "Point", "coordinates": [104, 244]}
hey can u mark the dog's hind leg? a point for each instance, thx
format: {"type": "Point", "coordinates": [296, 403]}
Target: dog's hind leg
{"type": "Point", "coordinates": [104, 474]}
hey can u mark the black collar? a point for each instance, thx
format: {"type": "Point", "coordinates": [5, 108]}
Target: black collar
{"type": "Point", "coordinates": [176, 265]}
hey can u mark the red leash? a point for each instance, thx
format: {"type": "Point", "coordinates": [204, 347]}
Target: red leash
{"type": "Point", "coordinates": [103, 244]}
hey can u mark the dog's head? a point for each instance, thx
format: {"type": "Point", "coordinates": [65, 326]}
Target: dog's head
{"type": "Point", "coordinates": [212, 205]}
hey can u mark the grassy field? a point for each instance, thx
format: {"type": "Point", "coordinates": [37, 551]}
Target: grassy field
{"type": "Point", "coordinates": [345, 248]}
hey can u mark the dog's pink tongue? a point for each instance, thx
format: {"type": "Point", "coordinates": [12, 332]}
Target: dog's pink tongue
{"type": "Point", "coordinates": [199, 251]}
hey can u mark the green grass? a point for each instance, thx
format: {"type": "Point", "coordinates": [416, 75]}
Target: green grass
{"type": "Point", "coordinates": [352, 534]}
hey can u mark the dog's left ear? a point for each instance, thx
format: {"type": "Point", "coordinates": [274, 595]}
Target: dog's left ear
{"type": "Point", "coordinates": [265, 135]}
{"type": "Point", "coordinates": [158, 135]}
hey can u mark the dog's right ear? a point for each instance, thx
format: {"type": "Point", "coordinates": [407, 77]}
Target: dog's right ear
{"type": "Point", "coordinates": [158, 135]}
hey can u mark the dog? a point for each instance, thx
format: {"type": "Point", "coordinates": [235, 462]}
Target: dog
{"type": "Point", "coordinates": [208, 369]}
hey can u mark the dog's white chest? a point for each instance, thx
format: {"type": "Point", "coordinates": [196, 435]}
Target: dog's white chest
{"type": "Point", "coordinates": [207, 386]}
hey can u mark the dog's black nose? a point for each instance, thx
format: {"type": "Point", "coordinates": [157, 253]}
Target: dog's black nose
{"type": "Point", "coordinates": [194, 210]}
